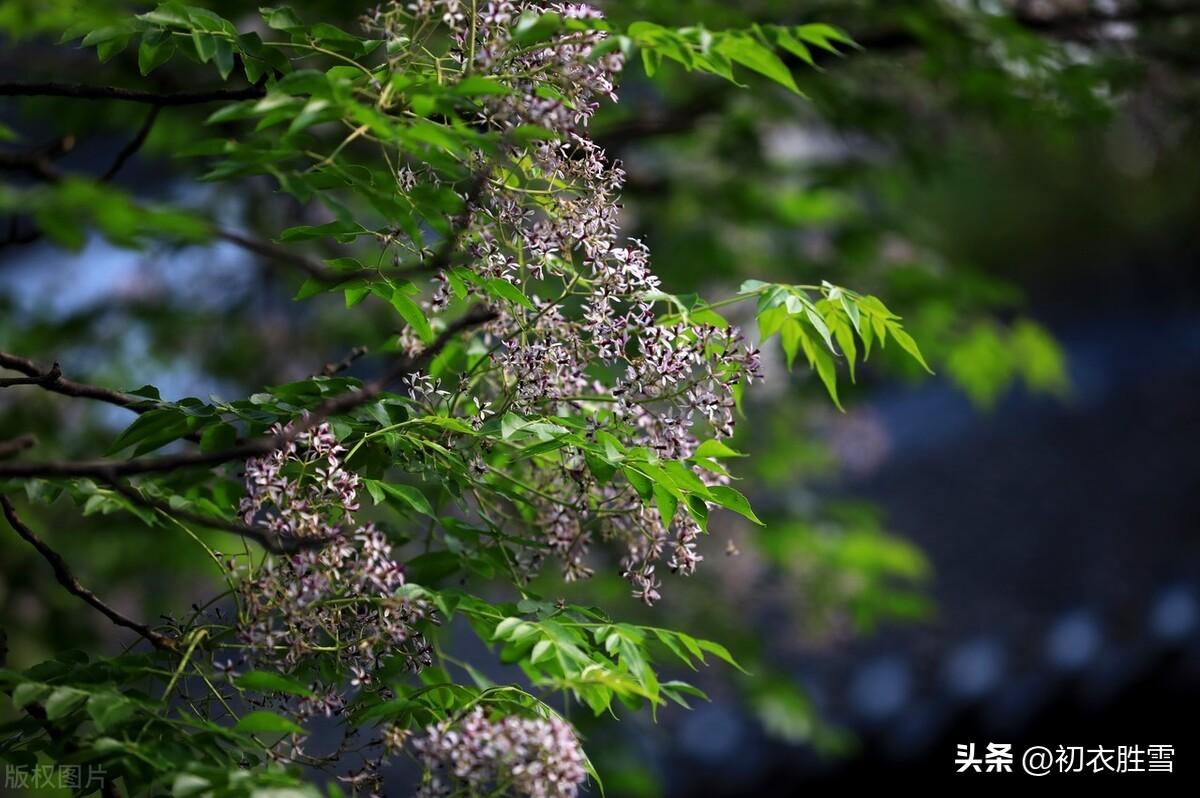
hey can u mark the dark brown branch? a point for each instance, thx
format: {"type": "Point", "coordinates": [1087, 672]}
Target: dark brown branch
{"type": "Point", "coordinates": [18, 444]}
{"type": "Point", "coordinates": [62, 572]}
{"type": "Point", "coordinates": [52, 380]}
{"type": "Point", "coordinates": [35, 164]}
{"type": "Point", "coordinates": [282, 255]}
{"type": "Point", "coordinates": [81, 91]}
{"type": "Point", "coordinates": [134, 144]}
{"type": "Point", "coordinates": [333, 369]}
{"type": "Point", "coordinates": [112, 469]}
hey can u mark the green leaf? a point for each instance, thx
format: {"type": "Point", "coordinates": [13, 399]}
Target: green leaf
{"type": "Point", "coordinates": [542, 650]}
{"type": "Point", "coordinates": [823, 36]}
{"type": "Point", "coordinates": [412, 313]}
{"type": "Point", "coordinates": [375, 489]}
{"type": "Point", "coordinates": [845, 338]}
{"type": "Point", "coordinates": [666, 502]}
{"type": "Point", "coordinates": [674, 688]}
{"type": "Point", "coordinates": [907, 343]}
{"type": "Point", "coordinates": [63, 701]}
{"type": "Point", "coordinates": [27, 693]}
{"type": "Point", "coordinates": [217, 437]}
{"type": "Point", "coordinates": [411, 497]}
{"type": "Point", "coordinates": [720, 651]}
{"type": "Point", "coordinates": [510, 425]}
{"type": "Point", "coordinates": [505, 628]}
{"type": "Point", "coordinates": [153, 54]}
{"type": "Point", "coordinates": [671, 641]}
{"type": "Point", "coordinates": [792, 337]}
{"type": "Point", "coordinates": [224, 58]}
{"type": "Point", "coordinates": [753, 55]}
{"type": "Point", "coordinates": [205, 44]}
{"type": "Point", "coordinates": [717, 449]}
{"type": "Point", "coordinates": [110, 709]}
{"type": "Point", "coordinates": [771, 321]}
{"type": "Point", "coordinates": [640, 482]}
{"type": "Point", "coordinates": [533, 27]}
{"type": "Point", "coordinates": [344, 232]}
{"type": "Point", "coordinates": [281, 18]}
{"type": "Point", "coordinates": [355, 294]}
{"type": "Point", "coordinates": [264, 681]}
{"type": "Point", "coordinates": [503, 289]}
{"type": "Point", "coordinates": [479, 86]}
{"type": "Point", "coordinates": [826, 370]}
{"type": "Point", "coordinates": [265, 722]}
{"type": "Point", "coordinates": [189, 785]}
{"type": "Point", "coordinates": [785, 40]}
{"type": "Point", "coordinates": [601, 469]}
{"type": "Point", "coordinates": [106, 34]}
{"type": "Point", "coordinates": [161, 425]}
{"type": "Point", "coordinates": [112, 48]}
{"type": "Point", "coordinates": [168, 15]}
{"type": "Point", "coordinates": [650, 61]}
{"type": "Point", "coordinates": [819, 325]}
{"type": "Point", "coordinates": [731, 499]}
{"type": "Point", "coordinates": [432, 567]}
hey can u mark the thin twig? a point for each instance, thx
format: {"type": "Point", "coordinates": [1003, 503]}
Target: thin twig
{"type": "Point", "coordinates": [65, 577]}
{"type": "Point", "coordinates": [134, 144]}
{"type": "Point", "coordinates": [33, 164]}
{"type": "Point", "coordinates": [282, 255]}
{"type": "Point", "coordinates": [333, 369]}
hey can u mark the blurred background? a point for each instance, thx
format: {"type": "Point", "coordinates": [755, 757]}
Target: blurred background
{"type": "Point", "coordinates": [1008, 551]}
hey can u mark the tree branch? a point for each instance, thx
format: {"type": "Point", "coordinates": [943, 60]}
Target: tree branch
{"type": "Point", "coordinates": [81, 91]}
{"type": "Point", "coordinates": [134, 144]}
{"type": "Point", "coordinates": [37, 165]}
{"type": "Point", "coordinates": [333, 369]}
{"type": "Point", "coordinates": [17, 444]}
{"type": "Point", "coordinates": [112, 469]}
{"type": "Point", "coordinates": [283, 255]}
{"type": "Point", "coordinates": [52, 380]}
{"type": "Point", "coordinates": [62, 572]}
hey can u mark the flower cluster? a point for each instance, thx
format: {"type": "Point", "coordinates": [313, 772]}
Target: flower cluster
{"type": "Point", "coordinates": [341, 594]}
{"type": "Point", "coordinates": [555, 221]}
{"type": "Point", "coordinates": [534, 757]}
